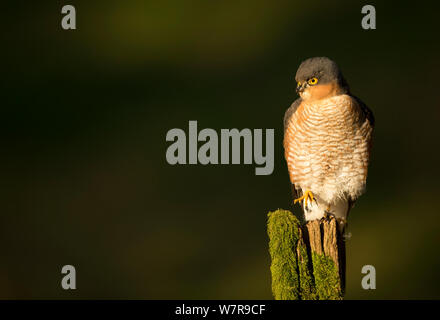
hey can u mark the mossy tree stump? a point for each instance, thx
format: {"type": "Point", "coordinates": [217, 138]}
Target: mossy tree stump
{"type": "Point", "coordinates": [308, 261]}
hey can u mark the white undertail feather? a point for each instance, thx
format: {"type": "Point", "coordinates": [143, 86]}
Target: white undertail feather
{"type": "Point", "coordinates": [316, 209]}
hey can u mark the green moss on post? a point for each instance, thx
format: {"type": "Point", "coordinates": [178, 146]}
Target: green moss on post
{"type": "Point", "coordinates": [327, 281]}
{"type": "Point", "coordinates": [325, 258]}
{"type": "Point", "coordinates": [283, 230]}
{"type": "Point", "coordinates": [306, 281]}
{"type": "Point", "coordinates": [305, 260]}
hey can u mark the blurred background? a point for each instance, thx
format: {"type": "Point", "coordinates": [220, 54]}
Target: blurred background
{"type": "Point", "coordinates": [84, 115]}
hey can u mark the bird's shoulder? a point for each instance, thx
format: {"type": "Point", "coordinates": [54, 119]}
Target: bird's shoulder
{"type": "Point", "coordinates": [290, 111]}
{"type": "Point", "coordinates": [367, 112]}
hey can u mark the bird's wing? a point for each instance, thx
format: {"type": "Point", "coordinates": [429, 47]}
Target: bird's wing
{"type": "Point", "coordinates": [366, 111]}
{"type": "Point", "coordinates": [296, 193]}
{"type": "Point", "coordinates": [290, 112]}
{"type": "Point", "coordinates": [368, 116]}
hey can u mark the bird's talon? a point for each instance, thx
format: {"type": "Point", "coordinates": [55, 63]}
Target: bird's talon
{"type": "Point", "coordinates": [307, 195]}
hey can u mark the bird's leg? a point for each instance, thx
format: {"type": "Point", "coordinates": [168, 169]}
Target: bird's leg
{"type": "Point", "coordinates": [307, 195]}
{"type": "Point", "coordinates": [327, 213]}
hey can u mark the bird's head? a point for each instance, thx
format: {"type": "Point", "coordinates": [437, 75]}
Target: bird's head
{"type": "Point", "coordinates": [318, 78]}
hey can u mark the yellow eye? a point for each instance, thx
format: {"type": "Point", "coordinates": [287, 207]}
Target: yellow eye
{"type": "Point", "coordinates": [313, 81]}
{"type": "Point", "coordinates": [298, 85]}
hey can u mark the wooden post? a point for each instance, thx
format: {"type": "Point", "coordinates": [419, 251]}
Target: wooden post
{"type": "Point", "coordinates": [308, 261]}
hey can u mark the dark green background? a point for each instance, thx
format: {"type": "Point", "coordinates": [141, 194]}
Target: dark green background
{"type": "Point", "coordinates": [84, 115]}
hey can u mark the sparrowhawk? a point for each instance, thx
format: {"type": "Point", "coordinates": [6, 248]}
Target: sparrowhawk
{"type": "Point", "coordinates": [327, 141]}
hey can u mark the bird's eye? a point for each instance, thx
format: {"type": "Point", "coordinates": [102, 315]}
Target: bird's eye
{"type": "Point", "coordinates": [313, 81]}
{"type": "Point", "coordinates": [298, 84]}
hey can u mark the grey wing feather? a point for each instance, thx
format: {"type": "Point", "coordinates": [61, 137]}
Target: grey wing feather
{"type": "Point", "coordinates": [367, 111]}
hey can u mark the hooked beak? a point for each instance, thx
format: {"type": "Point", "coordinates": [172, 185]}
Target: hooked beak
{"type": "Point", "coordinates": [301, 88]}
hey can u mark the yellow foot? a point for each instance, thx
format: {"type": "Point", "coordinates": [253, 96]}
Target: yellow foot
{"type": "Point", "coordinates": [307, 195]}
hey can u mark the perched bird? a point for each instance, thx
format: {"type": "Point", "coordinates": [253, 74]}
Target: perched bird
{"type": "Point", "coordinates": [327, 141]}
